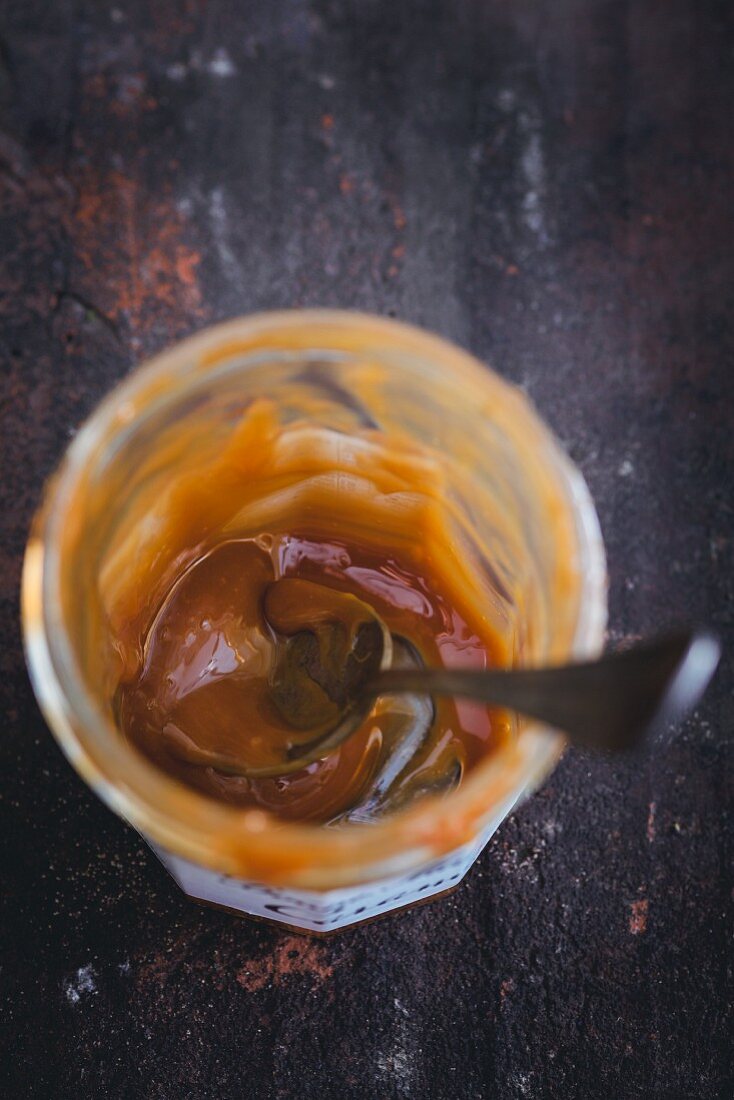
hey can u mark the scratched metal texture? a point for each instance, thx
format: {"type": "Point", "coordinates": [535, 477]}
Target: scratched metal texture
{"type": "Point", "coordinates": [550, 185]}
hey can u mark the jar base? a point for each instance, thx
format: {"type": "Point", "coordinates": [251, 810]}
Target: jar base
{"type": "Point", "coordinates": [321, 912]}
{"type": "Point", "coordinates": [309, 933]}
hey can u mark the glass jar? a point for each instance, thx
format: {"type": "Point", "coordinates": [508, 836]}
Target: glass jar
{"type": "Point", "coordinates": [521, 525]}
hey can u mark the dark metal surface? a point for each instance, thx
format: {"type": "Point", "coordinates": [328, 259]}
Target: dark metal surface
{"type": "Point", "coordinates": [551, 186]}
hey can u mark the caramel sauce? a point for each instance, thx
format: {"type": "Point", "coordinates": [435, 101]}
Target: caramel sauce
{"type": "Point", "coordinates": [185, 587]}
{"type": "Point", "coordinates": [204, 683]}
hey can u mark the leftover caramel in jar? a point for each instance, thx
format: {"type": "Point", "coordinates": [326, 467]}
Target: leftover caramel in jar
{"type": "Point", "coordinates": [186, 594]}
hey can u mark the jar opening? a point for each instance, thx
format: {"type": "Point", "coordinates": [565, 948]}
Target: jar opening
{"type": "Point", "coordinates": [365, 373]}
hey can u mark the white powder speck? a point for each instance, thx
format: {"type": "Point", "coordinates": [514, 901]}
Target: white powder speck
{"type": "Point", "coordinates": [176, 71]}
{"type": "Point", "coordinates": [220, 224]}
{"type": "Point", "coordinates": [522, 1083]}
{"type": "Point", "coordinates": [397, 1062]}
{"type": "Point", "coordinates": [625, 468]}
{"type": "Point", "coordinates": [82, 984]}
{"type": "Point", "coordinates": [506, 99]}
{"type": "Point", "coordinates": [221, 64]}
{"type": "Point", "coordinates": [532, 163]}
{"type": "Point", "coordinates": [396, 1066]}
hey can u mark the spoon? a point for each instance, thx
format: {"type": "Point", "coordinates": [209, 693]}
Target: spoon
{"type": "Point", "coordinates": [607, 704]}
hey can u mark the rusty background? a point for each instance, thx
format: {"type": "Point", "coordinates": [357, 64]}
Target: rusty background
{"type": "Point", "coordinates": [549, 184]}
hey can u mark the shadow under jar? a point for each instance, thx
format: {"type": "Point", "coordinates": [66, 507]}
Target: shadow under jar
{"type": "Point", "coordinates": [373, 453]}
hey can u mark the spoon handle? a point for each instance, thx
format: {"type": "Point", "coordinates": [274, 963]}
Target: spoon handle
{"type": "Point", "coordinates": [606, 704]}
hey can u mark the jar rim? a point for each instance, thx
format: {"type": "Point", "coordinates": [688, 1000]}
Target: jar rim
{"type": "Point", "coordinates": [251, 842]}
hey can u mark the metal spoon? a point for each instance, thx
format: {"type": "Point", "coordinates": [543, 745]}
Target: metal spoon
{"type": "Point", "coordinates": [608, 704]}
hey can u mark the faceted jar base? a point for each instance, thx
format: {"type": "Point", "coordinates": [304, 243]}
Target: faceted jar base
{"type": "Point", "coordinates": [321, 911]}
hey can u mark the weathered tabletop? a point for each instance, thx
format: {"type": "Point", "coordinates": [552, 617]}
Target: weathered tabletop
{"type": "Point", "coordinates": [550, 184]}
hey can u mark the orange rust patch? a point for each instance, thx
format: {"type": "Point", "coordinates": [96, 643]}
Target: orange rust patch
{"type": "Point", "coordinates": [506, 987]}
{"type": "Point", "coordinates": [185, 264]}
{"type": "Point", "coordinates": [638, 917]}
{"type": "Point", "coordinates": [131, 244]}
{"type": "Point", "coordinates": [398, 216]}
{"type": "Point", "coordinates": [292, 956]}
{"type": "Point", "coordinates": [327, 122]}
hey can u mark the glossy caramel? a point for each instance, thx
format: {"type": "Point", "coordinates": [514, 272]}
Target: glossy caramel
{"type": "Point", "coordinates": [183, 583]}
{"type": "Point", "coordinates": [208, 656]}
